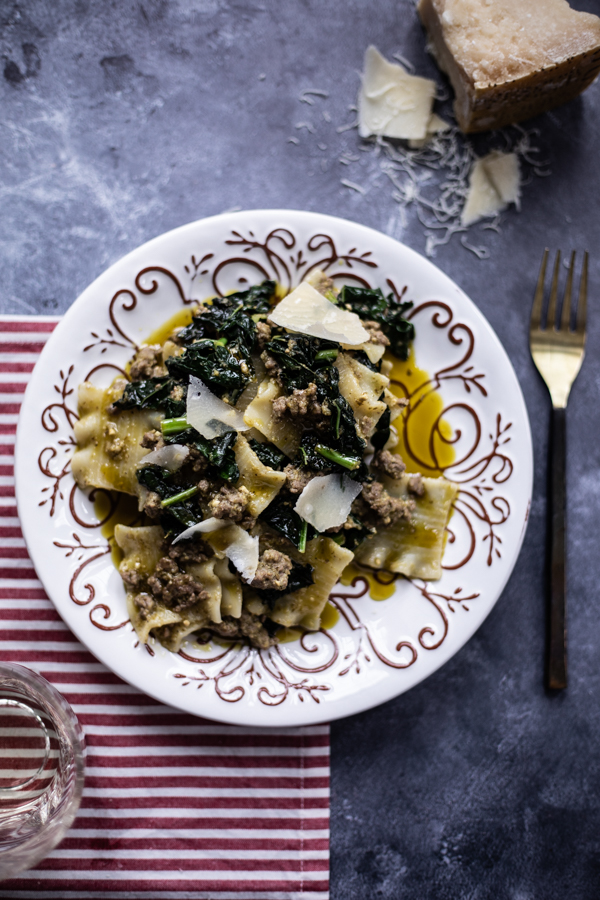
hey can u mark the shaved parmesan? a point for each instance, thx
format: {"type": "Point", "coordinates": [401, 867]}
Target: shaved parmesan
{"type": "Point", "coordinates": [306, 311]}
{"type": "Point", "coordinates": [237, 544]}
{"type": "Point", "coordinates": [325, 502]}
{"type": "Point", "coordinates": [205, 527]}
{"type": "Point", "coordinates": [493, 184]}
{"type": "Point", "coordinates": [392, 102]}
{"type": "Point", "coordinates": [171, 457]}
{"type": "Point", "coordinates": [208, 414]}
{"type": "Point", "coordinates": [436, 125]}
{"type": "Point", "coordinates": [373, 351]}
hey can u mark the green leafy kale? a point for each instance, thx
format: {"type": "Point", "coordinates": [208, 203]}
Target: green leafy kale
{"type": "Point", "coordinates": [177, 517]}
{"type": "Point", "coordinates": [297, 355]}
{"type": "Point", "coordinates": [153, 393]}
{"type": "Point", "coordinates": [218, 451]}
{"type": "Point", "coordinates": [350, 538]}
{"type": "Point", "coordinates": [268, 454]}
{"type": "Point", "coordinates": [387, 311]}
{"type": "Point", "coordinates": [300, 576]}
{"type": "Point", "coordinates": [281, 516]}
{"type": "Point", "coordinates": [382, 430]}
{"type": "Point", "coordinates": [214, 365]}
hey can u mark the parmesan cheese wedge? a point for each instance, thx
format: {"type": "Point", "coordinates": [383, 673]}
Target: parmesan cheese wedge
{"type": "Point", "coordinates": [391, 102]}
{"type": "Point", "coordinates": [509, 60]}
{"type": "Point", "coordinates": [325, 502]}
{"type": "Point", "coordinates": [306, 311]}
{"type": "Point", "coordinates": [170, 457]}
{"type": "Point", "coordinates": [210, 415]}
{"type": "Point", "coordinates": [494, 182]}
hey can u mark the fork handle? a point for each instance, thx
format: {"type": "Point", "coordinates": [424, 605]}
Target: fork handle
{"type": "Point", "coordinates": [557, 637]}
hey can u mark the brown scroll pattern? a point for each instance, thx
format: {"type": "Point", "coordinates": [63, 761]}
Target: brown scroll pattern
{"type": "Point", "coordinates": [481, 469]}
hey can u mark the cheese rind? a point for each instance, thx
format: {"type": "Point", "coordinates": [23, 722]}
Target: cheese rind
{"type": "Point", "coordinates": [509, 60]}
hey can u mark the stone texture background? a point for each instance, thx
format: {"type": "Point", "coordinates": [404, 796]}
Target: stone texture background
{"type": "Point", "coordinates": [120, 120]}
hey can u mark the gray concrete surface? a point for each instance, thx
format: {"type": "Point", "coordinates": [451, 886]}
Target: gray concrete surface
{"type": "Point", "coordinates": [121, 120]}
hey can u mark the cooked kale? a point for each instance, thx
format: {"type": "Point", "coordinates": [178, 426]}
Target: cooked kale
{"type": "Point", "coordinates": [218, 451]}
{"type": "Point", "coordinates": [256, 300]}
{"type": "Point", "coordinates": [281, 516]}
{"type": "Point", "coordinates": [300, 358]}
{"type": "Point", "coordinates": [387, 311]}
{"type": "Point", "coordinates": [382, 431]}
{"type": "Point", "coordinates": [154, 393]}
{"type": "Point", "coordinates": [300, 576]}
{"type": "Point", "coordinates": [350, 538]}
{"type": "Point", "coordinates": [268, 454]}
{"type": "Point", "coordinates": [177, 516]}
{"type": "Point", "coordinates": [214, 365]}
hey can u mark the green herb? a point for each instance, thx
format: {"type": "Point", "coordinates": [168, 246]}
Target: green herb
{"type": "Point", "coordinates": [348, 462]}
{"type": "Point", "coordinates": [177, 498]}
{"type": "Point", "coordinates": [387, 311]}
{"type": "Point", "coordinates": [221, 341]}
{"type": "Point", "coordinates": [173, 426]}
{"type": "Point", "coordinates": [268, 454]}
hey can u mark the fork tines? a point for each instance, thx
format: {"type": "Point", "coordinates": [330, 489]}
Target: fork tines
{"type": "Point", "coordinates": [568, 321]}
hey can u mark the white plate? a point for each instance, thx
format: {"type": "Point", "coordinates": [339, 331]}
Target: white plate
{"type": "Point", "coordinates": [377, 649]}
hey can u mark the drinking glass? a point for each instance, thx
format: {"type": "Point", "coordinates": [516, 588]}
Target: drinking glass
{"type": "Point", "coordinates": [42, 761]}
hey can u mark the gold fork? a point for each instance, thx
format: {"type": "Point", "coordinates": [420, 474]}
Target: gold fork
{"type": "Point", "coordinates": [558, 353]}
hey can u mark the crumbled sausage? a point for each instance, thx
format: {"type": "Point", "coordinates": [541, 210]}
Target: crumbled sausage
{"type": "Point", "coordinates": [132, 577]}
{"type": "Point", "coordinates": [415, 485]}
{"type": "Point", "coordinates": [147, 363]}
{"type": "Point", "coordinates": [263, 334]}
{"type": "Point", "coordinates": [152, 505]}
{"type": "Point", "coordinates": [300, 403]}
{"type": "Point", "coordinates": [248, 627]}
{"type": "Point", "coordinates": [175, 588]}
{"type": "Point", "coordinates": [389, 463]}
{"type": "Point", "coordinates": [297, 479]}
{"type": "Point", "coordinates": [194, 550]}
{"type": "Point", "coordinates": [230, 503]}
{"type": "Point", "coordinates": [273, 571]}
{"type": "Point", "coordinates": [386, 509]}
{"type": "Point", "coordinates": [271, 365]}
{"type": "Point", "coordinates": [114, 445]}
{"type": "Point", "coordinates": [152, 440]}
{"type": "Point", "coordinates": [145, 604]}
{"type": "Point", "coordinates": [177, 393]}
{"type": "Point", "coordinates": [376, 335]}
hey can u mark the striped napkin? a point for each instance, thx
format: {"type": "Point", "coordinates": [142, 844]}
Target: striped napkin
{"type": "Point", "coordinates": [174, 807]}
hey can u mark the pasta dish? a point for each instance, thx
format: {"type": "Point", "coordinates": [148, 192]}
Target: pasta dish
{"type": "Point", "coordinates": [258, 442]}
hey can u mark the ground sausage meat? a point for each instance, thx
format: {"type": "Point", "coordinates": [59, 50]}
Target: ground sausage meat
{"type": "Point", "coordinates": [415, 485]}
{"type": "Point", "coordinates": [152, 440]}
{"type": "Point", "coordinates": [300, 403]}
{"type": "Point", "coordinates": [297, 479]}
{"type": "Point", "coordinates": [175, 588]}
{"type": "Point", "coordinates": [263, 334]}
{"type": "Point", "coordinates": [248, 627]}
{"type": "Point", "coordinates": [273, 571]}
{"type": "Point", "coordinates": [376, 335]}
{"type": "Point", "coordinates": [152, 505]}
{"type": "Point", "coordinates": [387, 509]}
{"type": "Point", "coordinates": [389, 463]}
{"type": "Point", "coordinates": [190, 551]}
{"type": "Point", "coordinates": [230, 503]}
{"type": "Point", "coordinates": [145, 605]}
{"type": "Point", "coordinates": [147, 363]}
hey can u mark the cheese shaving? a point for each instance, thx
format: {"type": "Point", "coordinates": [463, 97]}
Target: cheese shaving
{"type": "Point", "coordinates": [306, 311]}
{"type": "Point", "coordinates": [494, 182]}
{"type": "Point", "coordinates": [208, 414]}
{"type": "Point", "coordinates": [392, 102]}
{"type": "Point", "coordinates": [171, 457]}
{"type": "Point", "coordinates": [239, 546]}
{"type": "Point", "coordinates": [325, 502]}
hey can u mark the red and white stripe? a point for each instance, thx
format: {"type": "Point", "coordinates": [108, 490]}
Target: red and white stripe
{"type": "Point", "coordinates": [174, 807]}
